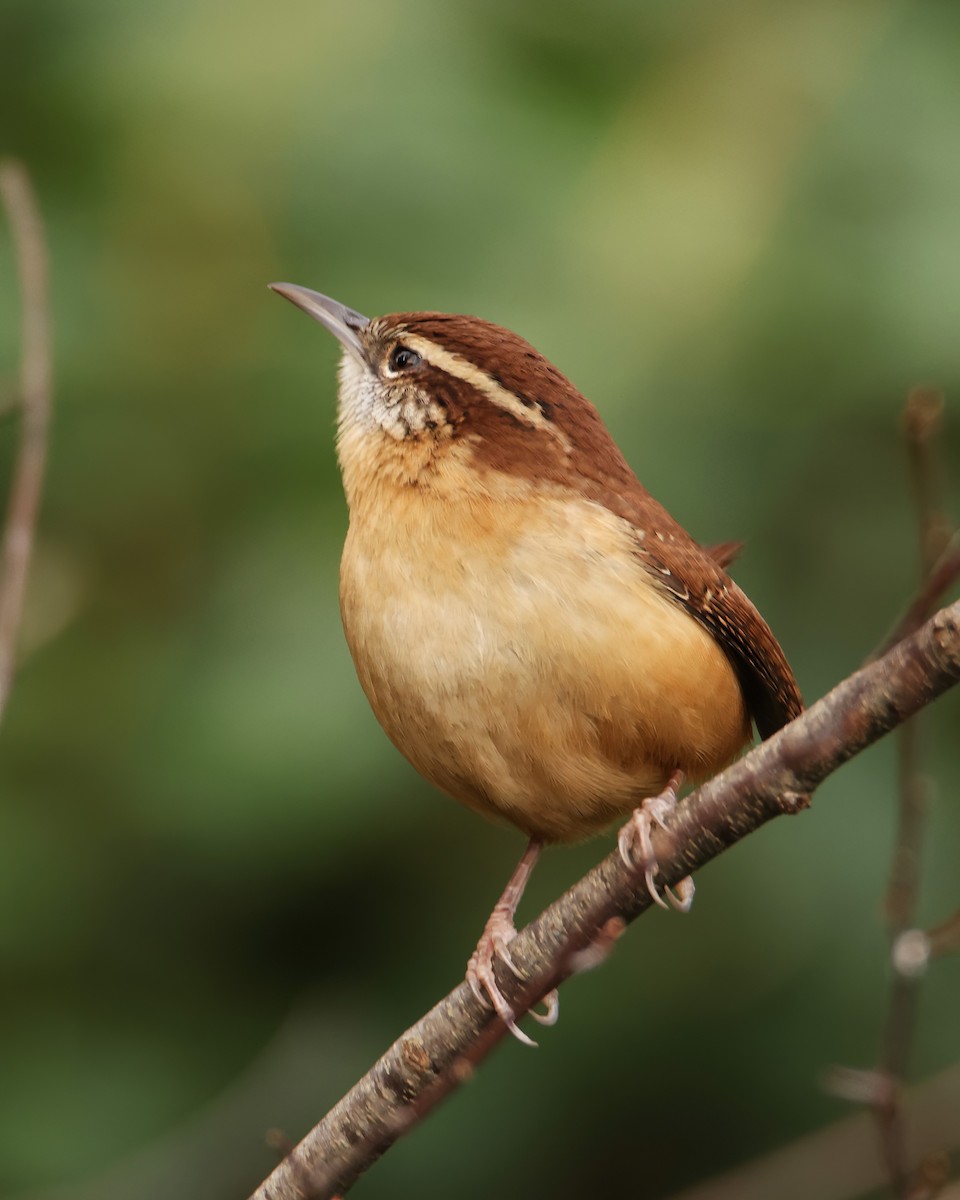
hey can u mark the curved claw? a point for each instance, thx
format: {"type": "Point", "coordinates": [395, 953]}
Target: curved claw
{"type": "Point", "coordinates": [494, 940]}
{"type": "Point", "coordinates": [552, 1003]}
{"type": "Point", "coordinates": [682, 898]}
{"type": "Point", "coordinates": [635, 836]}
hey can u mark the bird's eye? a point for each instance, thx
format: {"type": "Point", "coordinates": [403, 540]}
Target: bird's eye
{"type": "Point", "coordinates": [403, 359]}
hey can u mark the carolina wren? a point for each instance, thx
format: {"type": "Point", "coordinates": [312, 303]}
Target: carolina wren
{"type": "Point", "coordinates": [534, 632]}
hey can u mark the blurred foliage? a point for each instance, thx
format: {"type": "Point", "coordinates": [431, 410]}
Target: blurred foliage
{"type": "Point", "coordinates": [222, 893]}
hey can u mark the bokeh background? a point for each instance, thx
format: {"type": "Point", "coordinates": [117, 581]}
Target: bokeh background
{"type": "Point", "coordinates": [222, 892]}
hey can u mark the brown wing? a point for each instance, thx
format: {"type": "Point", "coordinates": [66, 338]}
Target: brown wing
{"type": "Point", "coordinates": [705, 590]}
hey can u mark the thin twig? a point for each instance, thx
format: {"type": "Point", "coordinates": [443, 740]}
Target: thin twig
{"type": "Point", "coordinates": [945, 937]}
{"type": "Point", "coordinates": [775, 778]}
{"type": "Point", "coordinates": [36, 373]}
{"type": "Point", "coordinates": [942, 576]}
{"type": "Point", "coordinates": [921, 425]}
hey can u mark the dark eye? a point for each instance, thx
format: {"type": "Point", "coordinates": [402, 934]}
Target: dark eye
{"type": "Point", "coordinates": [402, 359]}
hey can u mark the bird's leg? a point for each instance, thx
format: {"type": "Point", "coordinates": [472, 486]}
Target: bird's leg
{"type": "Point", "coordinates": [635, 836]}
{"type": "Point", "coordinates": [497, 935]}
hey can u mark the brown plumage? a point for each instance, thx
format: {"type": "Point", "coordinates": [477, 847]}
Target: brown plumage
{"type": "Point", "coordinates": [593, 465]}
{"type": "Point", "coordinates": [533, 630]}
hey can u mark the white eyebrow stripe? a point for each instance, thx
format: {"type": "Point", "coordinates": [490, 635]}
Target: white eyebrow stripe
{"type": "Point", "coordinates": [461, 368]}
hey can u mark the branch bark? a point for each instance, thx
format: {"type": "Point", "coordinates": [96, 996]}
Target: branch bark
{"type": "Point", "coordinates": [429, 1061]}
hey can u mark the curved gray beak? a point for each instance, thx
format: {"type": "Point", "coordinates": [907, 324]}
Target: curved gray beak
{"type": "Point", "coordinates": [342, 322]}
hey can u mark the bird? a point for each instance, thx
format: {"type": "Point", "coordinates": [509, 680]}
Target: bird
{"type": "Point", "coordinates": [532, 629]}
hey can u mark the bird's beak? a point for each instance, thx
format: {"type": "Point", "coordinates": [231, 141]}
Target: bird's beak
{"type": "Point", "coordinates": [342, 322]}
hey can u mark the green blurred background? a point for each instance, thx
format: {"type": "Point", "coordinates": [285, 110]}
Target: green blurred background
{"type": "Point", "coordinates": [222, 893]}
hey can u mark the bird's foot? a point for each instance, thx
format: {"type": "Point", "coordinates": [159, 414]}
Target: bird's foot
{"type": "Point", "coordinates": [636, 844]}
{"type": "Point", "coordinates": [497, 935]}
{"type": "Point", "coordinates": [495, 940]}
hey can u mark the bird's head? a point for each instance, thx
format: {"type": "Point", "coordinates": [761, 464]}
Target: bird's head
{"type": "Point", "coordinates": [444, 385]}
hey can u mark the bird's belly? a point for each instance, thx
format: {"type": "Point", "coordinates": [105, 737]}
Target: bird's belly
{"type": "Point", "coordinates": [542, 678]}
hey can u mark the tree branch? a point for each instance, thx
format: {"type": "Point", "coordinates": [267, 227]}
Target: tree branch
{"type": "Point", "coordinates": [439, 1051]}
{"type": "Point", "coordinates": [18, 199]}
